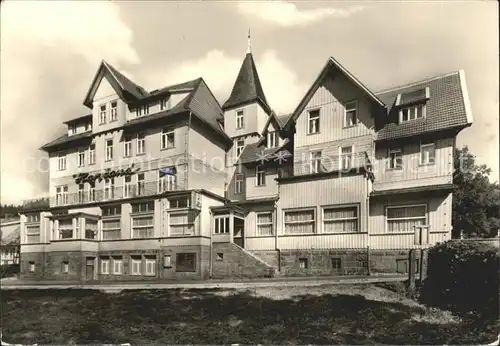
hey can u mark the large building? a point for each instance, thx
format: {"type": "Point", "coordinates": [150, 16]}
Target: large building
{"type": "Point", "coordinates": [169, 184]}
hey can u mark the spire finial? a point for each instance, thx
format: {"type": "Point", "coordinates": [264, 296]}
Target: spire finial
{"type": "Point", "coordinates": [249, 50]}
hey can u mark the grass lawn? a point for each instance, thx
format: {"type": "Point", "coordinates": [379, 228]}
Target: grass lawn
{"type": "Point", "coordinates": [358, 314]}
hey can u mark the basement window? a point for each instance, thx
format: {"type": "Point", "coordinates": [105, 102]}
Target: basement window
{"type": "Point", "coordinates": [337, 263]}
{"type": "Point", "coordinates": [303, 263]}
{"type": "Point", "coordinates": [220, 256]}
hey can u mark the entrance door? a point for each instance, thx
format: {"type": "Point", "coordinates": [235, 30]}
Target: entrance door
{"type": "Point", "coordinates": [89, 273]}
{"type": "Point", "coordinates": [239, 232]}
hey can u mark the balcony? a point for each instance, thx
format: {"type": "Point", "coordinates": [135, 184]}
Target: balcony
{"type": "Point", "coordinates": [111, 193]}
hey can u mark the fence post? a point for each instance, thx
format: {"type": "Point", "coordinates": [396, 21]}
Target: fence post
{"type": "Point", "coordinates": [368, 260]}
{"type": "Point", "coordinates": [411, 273]}
{"type": "Point", "coordinates": [423, 264]}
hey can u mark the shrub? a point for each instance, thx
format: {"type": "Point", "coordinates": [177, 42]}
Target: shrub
{"type": "Point", "coordinates": [7, 270]}
{"type": "Point", "coordinates": [462, 276]}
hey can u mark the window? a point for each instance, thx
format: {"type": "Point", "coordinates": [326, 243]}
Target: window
{"type": "Point", "coordinates": [140, 184]}
{"type": "Point", "coordinates": [239, 120]}
{"type": "Point", "coordinates": [167, 138]}
{"type": "Point", "coordinates": [313, 123]}
{"type": "Point", "coordinates": [240, 144]}
{"type": "Point", "coordinates": [220, 256]}
{"type": "Point", "coordinates": [105, 265]}
{"type": "Point", "coordinates": [265, 223]}
{"type": "Point", "coordinates": [81, 158]}
{"type": "Point", "coordinates": [221, 224]}
{"type": "Point", "coordinates": [303, 263]}
{"type": "Point", "coordinates": [91, 191]}
{"type": "Point", "coordinates": [92, 154]}
{"type": "Point", "coordinates": [88, 126]}
{"type": "Point", "coordinates": [111, 229]}
{"type": "Point", "coordinates": [239, 180]}
{"type": "Point", "coordinates": [166, 182]}
{"type": "Point", "coordinates": [33, 234]}
{"type": "Point", "coordinates": [411, 113]}
{"type": "Point", "coordinates": [346, 157]}
{"type": "Point", "coordinates": [163, 104]}
{"type": "Point", "coordinates": [62, 195]}
{"type": "Point", "coordinates": [61, 162]}
{"type": "Point", "coordinates": [336, 264]}
{"type": "Point", "coordinates": [272, 139]}
{"type": "Point", "coordinates": [90, 229]}
{"type": "Point", "coordinates": [114, 210]}
{"type": "Point", "coordinates": [427, 153]}
{"type": "Point", "coordinates": [81, 193]}
{"type": "Point", "coordinates": [260, 176]}
{"type": "Point", "coordinates": [114, 111]}
{"type": "Point", "coordinates": [102, 114]}
{"type": "Point", "coordinates": [180, 202]}
{"type": "Point", "coordinates": [109, 150]}
{"type": "Point", "coordinates": [300, 221]}
{"type": "Point", "coordinates": [135, 265]}
{"type": "Point", "coordinates": [127, 147]}
{"type": "Point", "coordinates": [31, 267]}
{"type": "Point", "coordinates": [128, 187]}
{"type": "Point", "coordinates": [343, 219]}
{"type": "Point", "coordinates": [143, 207]}
{"type": "Point", "coordinates": [405, 218]}
{"type": "Point", "coordinates": [65, 267]}
{"type": "Point", "coordinates": [143, 227]}
{"type": "Point", "coordinates": [351, 113]}
{"type": "Point", "coordinates": [185, 262]}
{"type": "Point", "coordinates": [72, 129]}
{"type": "Point", "coordinates": [144, 110]}
{"type": "Point", "coordinates": [181, 223]}
{"type": "Point", "coordinates": [141, 143]}
{"type": "Point", "coordinates": [315, 158]}
{"type": "Point", "coordinates": [395, 159]}
{"type": "Point", "coordinates": [167, 261]}
{"type": "Point", "coordinates": [151, 266]}
{"type": "Point", "coordinates": [66, 229]}
{"type": "Point", "coordinates": [109, 188]}
{"type": "Point", "coordinates": [32, 218]}
{"type": "Point", "coordinates": [117, 265]}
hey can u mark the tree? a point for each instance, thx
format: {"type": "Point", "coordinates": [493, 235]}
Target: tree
{"type": "Point", "coordinates": [476, 201]}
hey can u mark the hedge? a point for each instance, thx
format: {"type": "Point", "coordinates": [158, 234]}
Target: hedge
{"type": "Point", "coordinates": [7, 270]}
{"type": "Point", "coordinates": [462, 276]}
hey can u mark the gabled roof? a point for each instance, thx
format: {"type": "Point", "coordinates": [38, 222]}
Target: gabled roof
{"type": "Point", "coordinates": [124, 87]}
{"type": "Point", "coordinates": [331, 65]}
{"type": "Point", "coordinates": [447, 107]}
{"type": "Point", "coordinates": [247, 87]}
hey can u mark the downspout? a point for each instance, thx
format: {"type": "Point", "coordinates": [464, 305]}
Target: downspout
{"type": "Point", "coordinates": [210, 261]}
{"type": "Point", "coordinates": [276, 234]}
{"type": "Point", "coordinates": [186, 153]}
{"type": "Point", "coordinates": [367, 220]}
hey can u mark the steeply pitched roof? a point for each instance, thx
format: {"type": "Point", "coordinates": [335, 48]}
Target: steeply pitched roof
{"type": "Point", "coordinates": [81, 119]}
{"type": "Point", "coordinates": [330, 65]}
{"type": "Point", "coordinates": [256, 151]}
{"type": "Point", "coordinates": [124, 87]}
{"type": "Point", "coordinates": [247, 87]}
{"type": "Point", "coordinates": [448, 107]}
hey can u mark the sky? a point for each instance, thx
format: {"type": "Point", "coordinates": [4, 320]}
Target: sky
{"type": "Point", "coordinates": [50, 52]}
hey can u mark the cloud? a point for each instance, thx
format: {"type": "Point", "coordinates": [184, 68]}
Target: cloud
{"type": "Point", "coordinates": [47, 46]}
{"type": "Point", "coordinates": [287, 14]}
{"type": "Point", "coordinates": [281, 87]}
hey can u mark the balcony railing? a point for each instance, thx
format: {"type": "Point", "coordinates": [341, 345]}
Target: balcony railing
{"type": "Point", "coordinates": [334, 163]}
{"type": "Point", "coordinates": [111, 193]}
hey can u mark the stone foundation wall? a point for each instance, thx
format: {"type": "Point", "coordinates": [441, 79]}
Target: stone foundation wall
{"type": "Point", "coordinates": [392, 261]}
{"type": "Point", "coordinates": [231, 261]}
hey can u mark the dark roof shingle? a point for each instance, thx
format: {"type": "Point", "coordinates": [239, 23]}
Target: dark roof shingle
{"type": "Point", "coordinates": [247, 87]}
{"type": "Point", "coordinates": [445, 108]}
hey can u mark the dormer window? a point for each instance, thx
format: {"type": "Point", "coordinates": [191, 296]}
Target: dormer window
{"type": "Point", "coordinates": [163, 104]}
{"type": "Point", "coordinates": [143, 110]}
{"type": "Point", "coordinates": [411, 113]}
{"type": "Point", "coordinates": [102, 114]}
{"type": "Point", "coordinates": [412, 104]}
{"type": "Point", "coordinates": [240, 144]}
{"type": "Point", "coordinates": [114, 111]}
{"type": "Point", "coordinates": [272, 139]}
{"type": "Point", "coordinates": [239, 120]}
{"type": "Point", "coordinates": [88, 126]}
{"type": "Point", "coordinates": [72, 130]}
